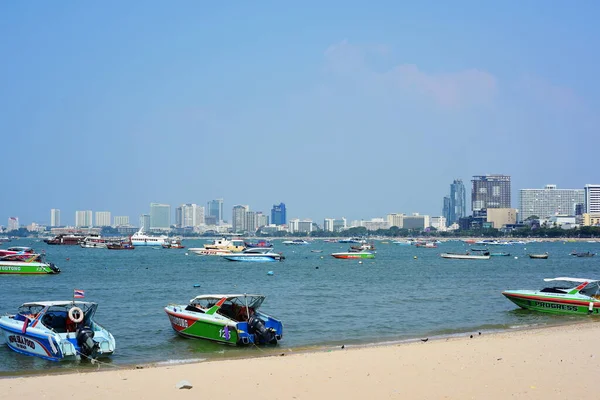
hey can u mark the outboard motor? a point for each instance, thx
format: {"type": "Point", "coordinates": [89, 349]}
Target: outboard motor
{"type": "Point", "coordinates": [85, 336]}
{"type": "Point", "coordinates": [54, 268]}
{"type": "Point", "coordinates": [261, 331]}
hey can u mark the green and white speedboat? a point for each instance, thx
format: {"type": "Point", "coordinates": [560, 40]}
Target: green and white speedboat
{"type": "Point", "coordinates": [225, 318]}
{"type": "Point", "coordinates": [33, 264]}
{"type": "Point", "coordinates": [565, 295]}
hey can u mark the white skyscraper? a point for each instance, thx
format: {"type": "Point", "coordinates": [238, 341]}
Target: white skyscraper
{"type": "Point", "coordinates": [544, 203]}
{"type": "Point", "coordinates": [160, 216]}
{"type": "Point", "coordinates": [83, 218]}
{"type": "Point", "coordinates": [238, 218]}
{"type": "Point", "coordinates": [592, 199]}
{"type": "Point", "coordinates": [189, 215]}
{"type": "Point", "coordinates": [55, 217]}
{"type": "Point", "coordinates": [328, 224]}
{"type": "Point", "coordinates": [13, 223]}
{"type": "Point", "coordinates": [121, 221]}
{"type": "Point", "coordinates": [102, 218]}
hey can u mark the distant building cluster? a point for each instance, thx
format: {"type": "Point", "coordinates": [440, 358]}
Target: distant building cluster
{"type": "Point", "coordinates": [490, 208]}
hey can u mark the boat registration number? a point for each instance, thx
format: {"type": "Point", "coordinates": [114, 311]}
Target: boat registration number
{"type": "Point", "coordinates": [178, 321]}
{"type": "Point", "coordinates": [21, 342]}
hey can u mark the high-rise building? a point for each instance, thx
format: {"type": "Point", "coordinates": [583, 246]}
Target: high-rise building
{"type": "Point", "coordinates": [339, 224]}
{"type": "Point", "coordinates": [13, 224]}
{"type": "Point", "coordinates": [102, 218]}
{"type": "Point", "coordinates": [251, 223]}
{"type": "Point", "coordinates": [55, 217]}
{"type": "Point", "coordinates": [446, 208]}
{"type": "Point", "coordinates": [160, 216]}
{"type": "Point", "coordinates": [189, 215]}
{"type": "Point", "coordinates": [238, 218]}
{"type": "Point", "coordinates": [457, 208]}
{"type": "Point", "coordinates": [544, 203]}
{"type": "Point", "coordinates": [489, 191]}
{"type": "Point", "coordinates": [262, 219]}
{"type": "Point", "coordinates": [328, 224]}
{"type": "Point", "coordinates": [215, 209]}
{"type": "Point", "coordinates": [83, 219]}
{"type": "Point", "coordinates": [145, 222]}
{"type": "Point", "coordinates": [278, 214]}
{"type": "Point", "coordinates": [121, 221]}
{"type": "Point", "coordinates": [396, 220]}
{"type": "Point", "coordinates": [592, 199]}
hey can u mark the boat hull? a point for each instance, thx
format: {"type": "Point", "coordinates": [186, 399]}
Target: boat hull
{"type": "Point", "coordinates": [464, 256]}
{"type": "Point", "coordinates": [197, 328]}
{"type": "Point", "coordinates": [350, 256]}
{"type": "Point", "coordinates": [261, 258]}
{"type": "Point", "coordinates": [27, 268]}
{"type": "Point", "coordinates": [553, 304]}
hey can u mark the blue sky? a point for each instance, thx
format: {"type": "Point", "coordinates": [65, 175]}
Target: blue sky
{"type": "Point", "coordinates": [353, 109]}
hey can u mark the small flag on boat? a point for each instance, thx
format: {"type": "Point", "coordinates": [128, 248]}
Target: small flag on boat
{"type": "Point", "coordinates": [78, 294]}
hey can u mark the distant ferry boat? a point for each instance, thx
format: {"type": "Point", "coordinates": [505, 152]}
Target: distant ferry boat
{"type": "Point", "coordinates": [141, 239]}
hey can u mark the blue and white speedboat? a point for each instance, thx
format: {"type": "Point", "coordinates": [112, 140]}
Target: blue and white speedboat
{"type": "Point", "coordinates": [57, 330]}
{"type": "Point", "coordinates": [255, 254]}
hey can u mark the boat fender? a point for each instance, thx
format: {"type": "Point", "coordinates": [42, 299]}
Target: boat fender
{"type": "Point", "coordinates": [591, 307]}
{"type": "Point", "coordinates": [85, 336]}
{"type": "Point", "coordinates": [76, 315]}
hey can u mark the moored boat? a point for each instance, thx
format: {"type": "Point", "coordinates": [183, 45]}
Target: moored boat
{"type": "Point", "coordinates": [259, 243]}
{"type": "Point", "coordinates": [233, 245]}
{"type": "Point", "coordinates": [460, 256]}
{"type": "Point", "coordinates": [17, 253]}
{"type": "Point", "coordinates": [226, 318]}
{"type": "Point", "coordinates": [565, 295]}
{"type": "Point", "coordinates": [120, 246]}
{"type": "Point", "coordinates": [33, 265]}
{"type": "Point", "coordinates": [542, 256]}
{"type": "Point", "coordinates": [499, 254]}
{"type": "Point", "coordinates": [174, 243]}
{"type": "Point", "coordinates": [93, 242]}
{"type": "Point", "coordinates": [141, 239]}
{"type": "Point", "coordinates": [295, 242]}
{"type": "Point", "coordinates": [354, 255]}
{"type": "Point", "coordinates": [255, 254]}
{"type": "Point", "coordinates": [64, 239]}
{"type": "Point", "coordinates": [583, 254]}
{"type": "Point", "coordinates": [201, 251]}
{"type": "Point", "coordinates": [57, 330]}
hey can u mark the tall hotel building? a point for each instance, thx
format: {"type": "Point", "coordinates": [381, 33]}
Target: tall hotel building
{"type": "Point", "coordinates": [145, 222]}
{"type": "Point", "coordinates": [189, 215]}
{"type": "Point", "coordinates": [160, 216]}
{"type": "Point", "coordinates": [102, 218]}
{"type": "Point", "coordinates": [544, 203]}
{"type": "Point", "coordinates": [13, 224]}
{"type": "Point", "coordinates": [54, 217]}
{"type": "Point", "coordinates": [278, 216]}
{"type": "Point", "coordinates": [83, 219]}
{"type": "Point", "coordinates": [214, 211]}
{"type": "Point", "coordinates": [121, 220]}
{"type": "Point", "coordinates": [592, 199]}
{"type": "Point", "coordinates": [489, 191]}
{"type": "Point", "coordinates": [238, 218]}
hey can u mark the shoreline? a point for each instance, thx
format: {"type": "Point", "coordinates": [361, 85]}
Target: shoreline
{"type": "Point", "coordinates": [537, 362]}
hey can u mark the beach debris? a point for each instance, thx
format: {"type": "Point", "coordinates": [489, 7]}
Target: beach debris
{"type": "Point", "coordinates": [183, 385]}
{"type": "Point", "coordinates": [343, 346]}
{"type": "Point", "coordinates": [471, 336]}
{"type": "Point", "coordinates": [282, 354]}
{"type": "Point", "coordinates": [498, 359]}
{"type": "Point", "coordinates": [139, 367]}
{"type": "Point", "coordinates": [317, 267]}
{"type": "Point", "coordinates": [424, 340]}
{"type": "Point", "coordinates": [479, 333]}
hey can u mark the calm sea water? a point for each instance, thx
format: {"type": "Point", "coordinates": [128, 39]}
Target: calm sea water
{"type": "Point", "coordinates": [322, 301]}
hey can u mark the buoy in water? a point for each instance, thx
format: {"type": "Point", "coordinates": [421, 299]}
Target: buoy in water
{"type": "Point", "coordinates": [317, 267]}
{"type": "Point", "coordinates": [270, 273]}
{"type": "Point", "coordinates": [68, 258]}
{"type": "Point", "coordinates": [516, 258]}
{"type": "Point", "coordinates": [186, 254]}
{"type": "Point", "coordinates": [196, 285]}
{"type": "Point", "coordinates": [360, 262]}
{"type": "Point", "coordinates": [415, 257]}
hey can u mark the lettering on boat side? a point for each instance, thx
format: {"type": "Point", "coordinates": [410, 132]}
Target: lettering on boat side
{"type": "Point", "coordinates": [21, 342]}
{"type": "Point", "coordinates": [178, 321]}
{"type": "Point", "coordinates": [10, 268]}
{"type": "Point", "coordinates": [556, 306]}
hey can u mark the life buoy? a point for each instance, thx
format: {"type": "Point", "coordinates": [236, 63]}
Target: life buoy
{"type": "Point", "coordinates": [76, 315]}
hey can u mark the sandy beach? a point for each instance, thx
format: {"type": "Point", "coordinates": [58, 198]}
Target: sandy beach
{"type": "Point", "coordinates": [547, 363]}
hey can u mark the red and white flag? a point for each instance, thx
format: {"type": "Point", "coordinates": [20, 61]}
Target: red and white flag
{"type": "Point", "coordinates": [78, 294]}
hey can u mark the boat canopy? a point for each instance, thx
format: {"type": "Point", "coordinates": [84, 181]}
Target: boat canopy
{"type": "Point", "coordinates": [220, 296]}
{"type": "Point", "coordinates": [577, 280]}
{"type": "Point", "coordinates": [209, 300]}
{"type": "Point", "coordinates": [64, 303]}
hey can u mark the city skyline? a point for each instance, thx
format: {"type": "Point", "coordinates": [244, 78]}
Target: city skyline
{"type": "Point", "coordinates": [404, 96]}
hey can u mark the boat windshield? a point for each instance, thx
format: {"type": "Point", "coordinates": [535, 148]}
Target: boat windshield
{"type": "Point", "coordinates": [238, 301]}
{"type": "Point", "coordinates": [592, 289]}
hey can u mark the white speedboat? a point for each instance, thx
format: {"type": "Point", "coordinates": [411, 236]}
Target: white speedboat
{"type": "Point", "coordinates": [254, 254]}
{"type": "Point", "coordinates": [93, 242]}
{"type": "Point", "coordinates": [57, 330]}
{"type": "Point", "coordinates": [296, 242]}
{"type": "Point", "coordinates": [141, 239]}
{"type": "Point", "coordinates": [457, 256]}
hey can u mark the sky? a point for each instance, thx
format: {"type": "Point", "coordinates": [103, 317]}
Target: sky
{"type": "Point", "coordinates": [338, 109]}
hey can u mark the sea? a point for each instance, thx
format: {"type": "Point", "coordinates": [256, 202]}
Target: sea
{"type": "Point", "coordinates": [406, 293]}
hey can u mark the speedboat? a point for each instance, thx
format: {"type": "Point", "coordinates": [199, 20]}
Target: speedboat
{"type": "Point", "coordinates": [173, 244]}
{"type": "Point", "coordinates": [565, 295]}
{"type": "Point", "coordinates": [297, 242]}
{"type": "Point", "coordinates": [351, 240]}
{"type": "Point", "coordinates": [225, 318]}
{"type": "Point", "coordinates": [583, 254]}
{"type": "Point", "coordinates": [354, 255]}
{"type": "Point", "coordinates": [255, 254]}
{"type": "Point", "coordinates": [234, 245]}
{"type": "Point", "coordinates": [259, 243]}
{"type": "Point", "coordinates": [32, 265]}
{"type": "Point", "coordinates": [93, 242]}
{"type": "Point", "coordinates": [361, 247]}
{"type": "Point", "coordinates": [120, 246]}
{"type": "Point", "coordinates": [57, 330]}
{"type": "Point", "coordinates": [17, 253]}
{"type": "Point", "coordinates": [457, 256]}
{"type": "Point", "coordinates": [141, 239]}
{"type": "Point", "coordinates": [201, 251]}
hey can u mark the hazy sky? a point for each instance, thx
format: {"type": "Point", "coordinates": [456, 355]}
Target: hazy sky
{"type": "Point", "coordinates": [337, 108]}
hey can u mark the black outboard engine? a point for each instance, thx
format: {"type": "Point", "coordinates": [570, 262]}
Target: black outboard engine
{"type": "Point", "coordinates": [54, 268]}
{"type": "Point", "coordinates": [85, 336]}
{"type": "Point", "coordinates": [262, 334]}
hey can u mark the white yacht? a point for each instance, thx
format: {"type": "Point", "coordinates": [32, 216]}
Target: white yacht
{"type": "Point", "coordinates": [141, 239]}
